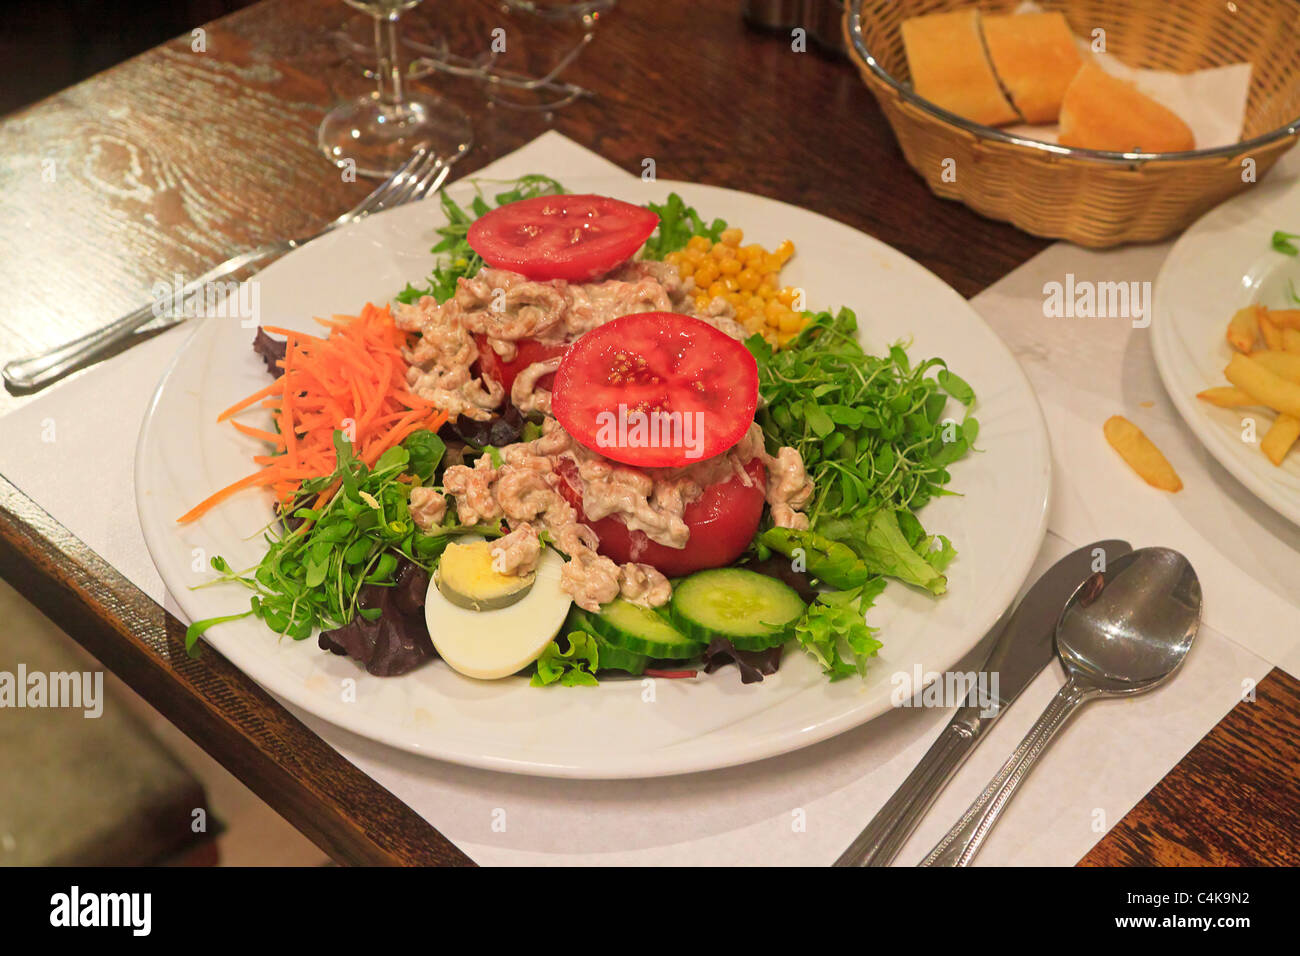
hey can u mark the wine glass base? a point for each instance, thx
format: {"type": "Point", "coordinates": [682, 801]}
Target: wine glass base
{"type": "Point", "coordinates": [378, 138]}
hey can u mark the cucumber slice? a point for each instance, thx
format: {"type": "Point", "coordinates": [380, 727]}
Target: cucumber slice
{"type": "Point", "coordinates": [614, 658]}
{"type": "Point", "coordinates": [642, 631]}
{"type": "Point", "coordinates": [751, 610]}
{"type": "Point", "coordinates": [611, 656]}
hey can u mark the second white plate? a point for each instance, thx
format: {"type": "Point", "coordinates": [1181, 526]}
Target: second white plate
{"type": "Point", "coordinates": [1223, 263]}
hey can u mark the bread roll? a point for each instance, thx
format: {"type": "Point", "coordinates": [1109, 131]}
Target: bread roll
{"type": "Point", "coordinates": [1035, 58]}
{"type": "Point", "coordinates": [1100, 111]}
{"type": "Point", "coordinates": [949, 67]}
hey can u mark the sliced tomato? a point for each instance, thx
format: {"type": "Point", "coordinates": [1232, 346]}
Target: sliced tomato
{"type": "Point", "coordinates": [722, 522]}
{"type": "Point", "coordinates": [638, 369]}
{"type": "Point", "coordinates": [527, 352]}
{"type": "Point", "coordinates": [561, 237]}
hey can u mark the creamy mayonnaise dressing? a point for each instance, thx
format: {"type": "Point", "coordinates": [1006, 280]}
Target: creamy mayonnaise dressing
{"type": "Point", "coordinates": [505, 307]}
{"type": "Point", "coordinates": [522, 489]}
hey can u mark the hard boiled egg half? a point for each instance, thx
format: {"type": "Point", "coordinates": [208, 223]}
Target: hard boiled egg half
{"type": "Point", "coordinates": [489, 625]}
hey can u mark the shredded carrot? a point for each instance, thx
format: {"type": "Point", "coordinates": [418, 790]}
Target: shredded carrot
{"type": "Point", "coordinates": [271, 389]}
{"type": "Point", "coordinates": [352, 380]}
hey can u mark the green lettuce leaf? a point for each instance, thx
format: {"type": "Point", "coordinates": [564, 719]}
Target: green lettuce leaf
{"type": "Point", "coordinates": [572, 667]}
{"type": "Point", "coordinates": [834, 632]}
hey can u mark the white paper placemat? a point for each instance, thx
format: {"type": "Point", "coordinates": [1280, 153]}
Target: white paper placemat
{"type": "Point", "coordinates": [71, 451]}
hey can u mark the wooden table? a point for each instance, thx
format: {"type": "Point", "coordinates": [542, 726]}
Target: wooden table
{"type": "Point", "coordinates": [177, 159]}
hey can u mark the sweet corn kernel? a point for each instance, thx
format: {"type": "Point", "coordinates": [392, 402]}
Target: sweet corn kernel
{"type": "Point", "coordinates": [747, 278]}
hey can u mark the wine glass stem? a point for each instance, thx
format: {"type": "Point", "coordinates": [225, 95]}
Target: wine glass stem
{"type": "Point", "coordinates": [389, 74]}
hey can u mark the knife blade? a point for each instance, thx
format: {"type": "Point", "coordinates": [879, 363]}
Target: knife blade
{"type": "Point", "coordinates": [1024, 647]}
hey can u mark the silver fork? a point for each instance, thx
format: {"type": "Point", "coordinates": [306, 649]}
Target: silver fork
{"type": "Point", "coordinates": [418, 177]}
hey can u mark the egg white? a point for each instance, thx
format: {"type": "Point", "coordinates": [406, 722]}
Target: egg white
{"type": "Point", "coordinates": [488, 645]}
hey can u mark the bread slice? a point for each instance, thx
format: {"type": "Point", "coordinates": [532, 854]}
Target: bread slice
{"type": "Point", "coordinates": [1035, 57]}
{"type": "Point", "coordinates": [949, 67]}
{"type": "Point", "coordinates": [1100, 111]}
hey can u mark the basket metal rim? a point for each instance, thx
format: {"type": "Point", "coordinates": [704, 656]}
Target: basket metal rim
{"type": "Point", "coordinates": [1101, 157]}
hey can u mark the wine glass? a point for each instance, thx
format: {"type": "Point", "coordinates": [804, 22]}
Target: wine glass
{"type": "Point", "coordinates": [548, 52]}
{"type": "Point", "coordinates": [379, 131]}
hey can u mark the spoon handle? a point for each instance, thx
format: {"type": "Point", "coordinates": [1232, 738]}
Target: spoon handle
{"type": "Point", "coordinates": [959, 846]}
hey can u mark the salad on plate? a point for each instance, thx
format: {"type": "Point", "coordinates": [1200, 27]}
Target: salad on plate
{"type": "Point", "coordinates": [600, 439]}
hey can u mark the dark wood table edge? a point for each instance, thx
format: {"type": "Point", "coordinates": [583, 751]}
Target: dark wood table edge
{"type": "Point", "coordinates": [260, 742]}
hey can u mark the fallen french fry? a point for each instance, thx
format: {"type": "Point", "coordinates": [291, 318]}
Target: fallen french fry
{"type": "Point", "coordinates": [1271, 333]}
{"type": "Point", "coordinates": [1291, 340]}
{"type": "Point", "coordinates": [1141, 454]}
{"type": "Point", "coordinates": [1265, 386]}
{"type": "Point", "coordinates": [1226, 396]}
{"type": "Point", "coordinates": [1243, 329]}
{"type": "Point", "coordinates": [1279, 438]}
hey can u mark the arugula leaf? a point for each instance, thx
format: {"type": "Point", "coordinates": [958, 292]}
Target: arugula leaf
{"type": "Point", "coordinates": [955, 386]}
{"type": "Point", "coordinates": [199, 628]}
{"type": "Point", "coordinates": [577, 665]}
{"type": "Point", "coordinates": [312, 575]}
{"type": "Point", "coordinates": [1282, 243]}
{"type": "Point", "coordinates": [678, 222]}
{"type": "Point", "coordinates": [870, 429]}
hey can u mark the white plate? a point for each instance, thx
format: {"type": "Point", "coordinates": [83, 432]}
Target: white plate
{"type": "Point", "coordinates": [626, 728]}
{"type": "Point", "coordinates": [1223, 263]}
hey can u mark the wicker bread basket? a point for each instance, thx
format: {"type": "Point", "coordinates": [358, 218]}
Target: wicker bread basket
{"type": "Point", "coordinates": [1089, 197]}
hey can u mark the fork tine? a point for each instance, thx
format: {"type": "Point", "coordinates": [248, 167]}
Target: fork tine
{"type": "Point", "coordinates": [385, 190]}
{"type": "Point", "coordinates": [401, 190]}
{"type": "Point", "coordinates": [430, 181]}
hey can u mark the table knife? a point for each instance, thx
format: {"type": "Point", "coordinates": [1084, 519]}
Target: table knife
{"type": "Point", "coordinates": [1023, 648]}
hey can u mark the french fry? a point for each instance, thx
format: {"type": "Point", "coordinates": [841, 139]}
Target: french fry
{"type": "Point", "coordinates": [1283, 364]}
{"type": "Point", "coordinates": [1141, 454]}
{"type": "Point", "coordinates": [1271, 333]}
{"type": "Point", "coordinates": [1285, 318]}
{"type": "Point", "coordinates": [1265, 386]}
{"type": "Point", "coordinates": [1291, 340]}
{"type": "Point", "coordinates": [1226, 396]}
{"type": "Point", "coordinates": [1243, 329]}
{"type": "Point", "coordinates": [1279, 438]}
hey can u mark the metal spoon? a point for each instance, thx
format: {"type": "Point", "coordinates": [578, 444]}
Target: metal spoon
{"type": "Point", "coordinates": [1124, 631]}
